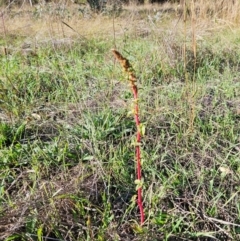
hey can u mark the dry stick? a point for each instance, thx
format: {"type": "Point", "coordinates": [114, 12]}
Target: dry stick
{"type": "Point", "coordinates": [3, 24]}
{"type": "Point", "coordinates": [132, 79]}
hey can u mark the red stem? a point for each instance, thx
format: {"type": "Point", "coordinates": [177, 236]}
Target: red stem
{"type": "Point", "coordinates": [132, 78]}
{"type": "Point", "coordinates": [138, 153]}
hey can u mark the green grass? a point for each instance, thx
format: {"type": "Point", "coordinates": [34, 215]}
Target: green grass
{"type": "Point", "coordinates": [67, 166]}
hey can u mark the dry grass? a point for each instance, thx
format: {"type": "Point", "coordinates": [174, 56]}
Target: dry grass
{"type": "Point", "coordinates": [210, 16]}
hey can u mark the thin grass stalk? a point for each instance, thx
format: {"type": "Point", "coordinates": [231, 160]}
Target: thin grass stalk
{"type": "Point", "coordinates": [194, 49]}
{"type": "Point", "coordinates": [194, 42]}
{"type": "Point", "coordinates": [132, 79]}
{"type": "Point", "coordinates": [185, 37]}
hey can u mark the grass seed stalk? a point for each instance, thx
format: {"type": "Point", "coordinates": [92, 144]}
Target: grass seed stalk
{"type": "Point", "coordinates": [127, 67]}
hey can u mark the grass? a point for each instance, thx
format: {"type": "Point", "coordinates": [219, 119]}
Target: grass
{"type": "Point", "coordinates": [67, 167]}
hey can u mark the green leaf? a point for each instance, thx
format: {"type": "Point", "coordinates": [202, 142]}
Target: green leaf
{"type": "Point", "coordinates": [40, 233]}
{"type": "Point", "coordinates": [139, 183]}
{"type": "Point", "coordinates": [142, 129]}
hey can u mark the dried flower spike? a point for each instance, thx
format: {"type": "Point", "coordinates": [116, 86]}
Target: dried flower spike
{"type": "Point", "coordinates": [127, 67]}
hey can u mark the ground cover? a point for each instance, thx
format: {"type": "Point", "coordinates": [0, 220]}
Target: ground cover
{"type": "Point", "coordinates": [67, 165]}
